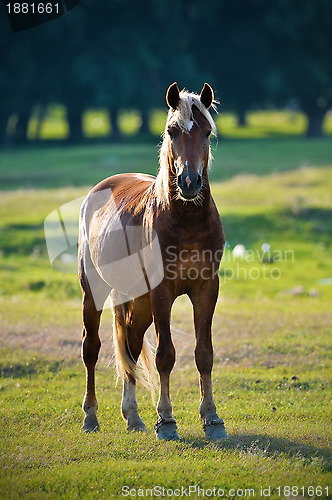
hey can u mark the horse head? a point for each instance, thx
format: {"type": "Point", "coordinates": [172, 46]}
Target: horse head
{"type": "Point", "coordinates": [188, 129]}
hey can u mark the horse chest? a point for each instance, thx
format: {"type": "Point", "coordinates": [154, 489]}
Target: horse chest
{"type": "Point", "coordinates": [188, 263]}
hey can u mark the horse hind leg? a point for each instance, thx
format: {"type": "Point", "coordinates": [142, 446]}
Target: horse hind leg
{"type": "Point", "coordinates": [90, 350]}
{"type": "Point", "coordinates": [95, 292]}
{"type": "Point", "coordinates": [130, 323]}
{"type": "Point", "coordinates": [129, 406]}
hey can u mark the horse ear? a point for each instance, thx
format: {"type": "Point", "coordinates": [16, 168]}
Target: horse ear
{"type": "Point", "coordinates": [207, 95]}
{"type": "Point", "coordinates": [172, 96]}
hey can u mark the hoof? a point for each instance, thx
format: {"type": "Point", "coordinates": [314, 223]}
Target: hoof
{"type": "Point", "coordinates": [215, 429]}
{"type": "Point", "coordinates": [90, 424]}
{"type": "Point", "coordinates": [166, 429]}
{"type": "Point", "coordinates": [137, 428]}
{"type": "Point", "coordinates": [134, 422]}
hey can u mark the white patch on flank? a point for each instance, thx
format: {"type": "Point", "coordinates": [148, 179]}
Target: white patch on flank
{"type": "Point", "coordinates": [190, 125]}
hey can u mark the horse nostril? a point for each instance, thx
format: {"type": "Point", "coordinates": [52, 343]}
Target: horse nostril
{"type": "Point", "coordinates": [189, 185]}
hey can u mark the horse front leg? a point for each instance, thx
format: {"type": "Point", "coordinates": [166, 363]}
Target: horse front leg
{"type": "Point", "coordinates": [204, 302]}
{"type": "Point", "coordinates": [165, 358]}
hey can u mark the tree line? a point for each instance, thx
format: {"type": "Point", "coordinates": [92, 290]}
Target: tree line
{"type": "Point", "coordinates": [123, 54]}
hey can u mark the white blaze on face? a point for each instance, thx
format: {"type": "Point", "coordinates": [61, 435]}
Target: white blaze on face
{"type": "Point", "coordinates": [190, 125]}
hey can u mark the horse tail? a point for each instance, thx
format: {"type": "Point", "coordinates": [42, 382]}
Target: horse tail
{"type": "Point", "coordinates": [143, 370]}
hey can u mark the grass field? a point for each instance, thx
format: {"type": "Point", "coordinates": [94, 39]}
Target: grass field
{"type": "Point", "coordinates": [272, 336]}
{"type": "Point", "coordinates": [96, 124]}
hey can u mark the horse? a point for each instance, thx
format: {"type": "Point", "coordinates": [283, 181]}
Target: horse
{"type": "Point", "coordinates": [144, 241]}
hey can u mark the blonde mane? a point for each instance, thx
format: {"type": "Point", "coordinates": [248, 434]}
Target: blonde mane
{"type": "Point", "coordinates": [183, 114]}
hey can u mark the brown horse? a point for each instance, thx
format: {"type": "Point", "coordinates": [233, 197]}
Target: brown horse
{"type": "Point", "coordinates": [145, 241]}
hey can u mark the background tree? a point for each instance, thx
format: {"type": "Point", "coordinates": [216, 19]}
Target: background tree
{"type": "Point", "coordinates": [300, 47]}
{"type": "Point", "coordinates": [122, 56]}
{"type": "Point", "coordinates": [238, 54]}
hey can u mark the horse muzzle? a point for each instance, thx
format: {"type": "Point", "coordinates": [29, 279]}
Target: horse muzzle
{"type": "Point", "coordinates": [189, 185]}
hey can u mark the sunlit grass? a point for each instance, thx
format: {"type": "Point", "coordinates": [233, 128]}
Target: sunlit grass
{"type": "Point", "coordinates": [293, 218]}
{"type": "Point", "coordinates": [157, 121]}
{"type": "Point", "coordinates": [263, 124]}
{"type": "Point", "coordinates": [52, 124]}
{"type": "Point", "coordinates": [86, 165]}
{"type": "Point", "coordinates": [272, 337]}
{"type": "Point", "coordinates": [129, 122]}
{"type": "Point", "coordinates": [96, 123]}
{"type": "Point", "coordinates": [276, 416]}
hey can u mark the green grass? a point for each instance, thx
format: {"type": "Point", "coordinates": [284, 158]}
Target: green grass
{"type": "Point", "coordinates": [279, 427]}
{"type": "Point", "coordinates": [268, 124]}
{"type": "Point", "coordinates": [96, 123]}
{"type": "Point", "coordinates": [53, 167]}
{"type": "Point", "coordinates": [272, 337]}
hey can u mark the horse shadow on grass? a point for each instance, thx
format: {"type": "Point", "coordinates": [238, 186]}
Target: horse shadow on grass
{"type": "Point", "coordinates": [266, 446]}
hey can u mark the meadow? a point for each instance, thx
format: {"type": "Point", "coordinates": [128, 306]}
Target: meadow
{"type": "Point", "coordinates": [272, 335]}
{"type": "Point", "coordinates": [268, 123]}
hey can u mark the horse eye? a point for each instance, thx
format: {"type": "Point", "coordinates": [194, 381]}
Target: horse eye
{"type": "Point", "coordinates": [208, 133]}
{"type": "Point", "coordinates": [171, 133]}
